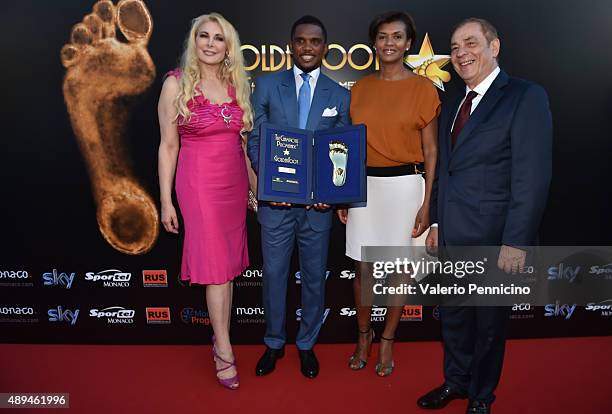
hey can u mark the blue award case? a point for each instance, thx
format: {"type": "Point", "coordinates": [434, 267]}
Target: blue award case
{"type": "Point", "coordinates": [306, 167]}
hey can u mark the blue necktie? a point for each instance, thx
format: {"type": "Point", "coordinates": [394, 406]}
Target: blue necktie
{"type": "Point", "coordinates": [304, 101]}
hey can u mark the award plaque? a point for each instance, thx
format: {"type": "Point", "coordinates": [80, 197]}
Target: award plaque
{"type": "Point", "coordinates": [307, 167]}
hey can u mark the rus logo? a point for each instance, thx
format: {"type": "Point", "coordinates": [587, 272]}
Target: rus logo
{"type": "Point", "coordinates": [158, 315]}
{"type": "Point", "coordinates": [154, 278]}
{"type": "Point", "coordinates": [412, 313]}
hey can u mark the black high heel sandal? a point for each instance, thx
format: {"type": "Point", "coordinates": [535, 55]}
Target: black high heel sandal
{"type": "Point", "coordinates": [355, 356]}
{"type": "Point", "coordinates": [382, 370]}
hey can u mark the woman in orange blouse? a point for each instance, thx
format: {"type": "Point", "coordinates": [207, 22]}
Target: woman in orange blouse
{"type": "Point", "coordinates": [400, 110]}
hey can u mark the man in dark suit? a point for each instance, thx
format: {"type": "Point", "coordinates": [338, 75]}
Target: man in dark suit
{"type": "Point", "coordinates": [492, 183]}
{"type": "Point", "coordinates": [301, 97]}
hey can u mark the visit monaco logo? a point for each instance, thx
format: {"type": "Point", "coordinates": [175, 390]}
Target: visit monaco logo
{"type": "Point", "coordinates": [15, 278]}
{"type": "Point", "coordinates": [110, 278]}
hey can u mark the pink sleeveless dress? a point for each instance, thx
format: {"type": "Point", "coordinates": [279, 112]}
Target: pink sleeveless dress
{"type": "Point", "coordinates": [212, 191]}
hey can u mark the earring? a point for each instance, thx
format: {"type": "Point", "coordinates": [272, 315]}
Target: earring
{"type": "Point", "coordinates": [227, 61]}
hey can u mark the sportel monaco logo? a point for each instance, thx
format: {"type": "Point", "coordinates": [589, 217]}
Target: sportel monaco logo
{"type": "Point", "coordinates": [602, 271]}
{"type": "Point", "coordinates": [298, 276]}
{"type": "Point", "coordinates": [114, 315]}
{"type": "Point", "coordinates": [348, 312]}
{"type": "Point", "coordinates": [412, 313]}
{"type": "Point", "coordinates": [158, 315]}
{"type": "Point", "coordinates": [347, 274]}
{"type": "Point", "coordinates": [605, 307]}
{"type": "Point", "coordinates": [110, 278]}
{"type": "Point", "coordinates": [55, 278]}
{"type": "Point", "coordinates": [60, 314]}
{"type": "Point", "coordinates": [154, 278]}
{"type": "Point", "coordinates": [556, 309]}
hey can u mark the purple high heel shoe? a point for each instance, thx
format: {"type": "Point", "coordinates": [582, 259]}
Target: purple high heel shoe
{"type": "Point", "coordinates": [231, 383]}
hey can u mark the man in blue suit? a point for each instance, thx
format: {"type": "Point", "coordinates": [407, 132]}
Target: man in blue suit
{"type": "Point", "coordinates": [305, 98]}
{"type": "Point", "coordinates": [491, 187]}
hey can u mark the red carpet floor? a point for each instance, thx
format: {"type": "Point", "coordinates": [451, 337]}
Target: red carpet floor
{"type": "Point", "coordinates": [540, 376]}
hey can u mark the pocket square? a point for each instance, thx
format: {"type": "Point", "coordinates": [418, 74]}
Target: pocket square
{"type": "Point", "coordinates": [330, 112]}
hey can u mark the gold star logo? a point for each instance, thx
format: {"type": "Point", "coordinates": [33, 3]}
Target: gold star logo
{"type": "Point", "coordinates": [428, 64]}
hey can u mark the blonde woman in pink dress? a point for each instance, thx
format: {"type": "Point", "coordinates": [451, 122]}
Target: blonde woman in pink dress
{"type": "Point", "coordinates": [204, 113]}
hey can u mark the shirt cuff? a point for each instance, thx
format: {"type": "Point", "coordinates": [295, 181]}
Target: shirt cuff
{"type": "Point", "coordinates": [433, 225]}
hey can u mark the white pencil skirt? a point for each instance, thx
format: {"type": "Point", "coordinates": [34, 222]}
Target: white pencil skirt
{"type": "Point", "coordinates": [388, 217]}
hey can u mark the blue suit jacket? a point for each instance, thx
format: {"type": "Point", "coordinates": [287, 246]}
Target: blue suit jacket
{"type": "Point", "coordinates": [492, 187]}
{"type": "Point", "coordinates": [275, 101]}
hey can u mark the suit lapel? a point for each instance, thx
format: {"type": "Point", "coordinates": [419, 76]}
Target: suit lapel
{"type": "Point", "coordinates": [486, 105]}
{"type": "Point", "coordinates": [449, 124]}
{"type": "Point", "coordinates": [319, 100]}
{"type": "Point", "coordinates": [288, 97]}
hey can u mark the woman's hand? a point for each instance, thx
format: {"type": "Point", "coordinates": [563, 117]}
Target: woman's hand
{"type": "Point", "coordinates": [342, 215]}
{"type": "Point", "coordinates": [421, 223]}
{"type": "Point", "coordinates": [169, 218]}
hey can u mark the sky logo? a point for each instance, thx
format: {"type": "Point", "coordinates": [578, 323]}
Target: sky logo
{"type": "Point", "coordinates": [298, 276]}
{"type": "Point", "coordinates": [61, 315]}
{"type": "Point", "coordinates": [563, 272]}
{"type": "Point", "coordinates": [58, 279]}
{"type": "Point", "coordinates": [556, 309]}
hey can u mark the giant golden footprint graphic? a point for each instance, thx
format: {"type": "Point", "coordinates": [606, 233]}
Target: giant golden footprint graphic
{"type": "Point", "coordinates": [100, 73]}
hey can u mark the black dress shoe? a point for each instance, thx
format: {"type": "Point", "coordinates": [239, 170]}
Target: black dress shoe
{"type": "Point", "coordinates": [439, 397]}
{"type": "Point", "coordinates": [267, 362]}
{"type": "Point", "coordinates": [308, 363]}
{"type": "Point", "coordinates": [478, 407]}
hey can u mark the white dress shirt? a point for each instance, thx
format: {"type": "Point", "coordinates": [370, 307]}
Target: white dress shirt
{"type": "Point", "coordinates": [314, 76]}
{"type": "Point", "coordinates": [480, 89]}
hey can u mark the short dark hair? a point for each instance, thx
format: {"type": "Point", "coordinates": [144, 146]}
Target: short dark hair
{"type": "Point", "coordinates": [390, 17]}
{"type": "Point", "coordinates": [309, 20]}
{"type": "Point", "coordinates": [490, 32]}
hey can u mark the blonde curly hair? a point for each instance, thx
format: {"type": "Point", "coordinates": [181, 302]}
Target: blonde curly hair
{"type": "Point", "coordinates": [234, 73]}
